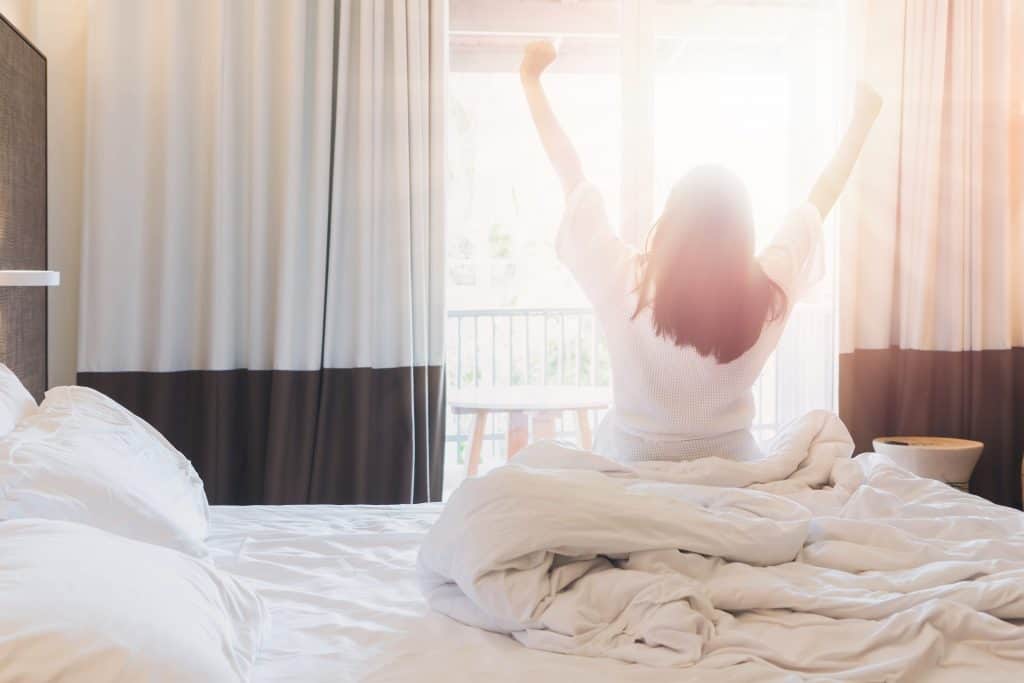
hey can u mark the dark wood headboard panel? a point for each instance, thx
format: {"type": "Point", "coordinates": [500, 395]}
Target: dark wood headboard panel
{"type": "Point", "coordinates": [23, 204]}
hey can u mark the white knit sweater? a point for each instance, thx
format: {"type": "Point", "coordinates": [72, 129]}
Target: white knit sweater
{"type": "Point", "coordinates": [669, 402]}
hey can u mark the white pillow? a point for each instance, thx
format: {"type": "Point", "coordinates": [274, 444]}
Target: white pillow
{"type": "Point", "coordinates": [15, 401]}
{"type": "Point", "coordinates": [79, 604]}
{"type": "Point", "coordinates": [82, 457]}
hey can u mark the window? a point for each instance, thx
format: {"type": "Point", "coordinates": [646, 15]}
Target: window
{"type": "Point", "coordinates": [646, 89]}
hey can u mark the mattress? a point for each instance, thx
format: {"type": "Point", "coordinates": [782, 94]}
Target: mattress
{"type": "Point", "coordinates": [340, 584]}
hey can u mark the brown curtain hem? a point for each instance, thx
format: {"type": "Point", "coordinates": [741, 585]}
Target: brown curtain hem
{"type": "Point", "coordinates": [970, 394]}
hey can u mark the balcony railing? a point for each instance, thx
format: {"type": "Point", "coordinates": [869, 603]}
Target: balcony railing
{"type": "Point", "coordinates": [563, 346]}
{"type": "Point", "coordinates": [514, 347]}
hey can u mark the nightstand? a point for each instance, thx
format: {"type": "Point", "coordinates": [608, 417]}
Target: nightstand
{"type": "Point", "coordinates": [946, 459]}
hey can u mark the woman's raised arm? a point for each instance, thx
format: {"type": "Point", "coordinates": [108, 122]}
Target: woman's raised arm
{"type": "Point", "coordinates": [563, 156]}
{"type": "Point", "coordinates": [867, 104]}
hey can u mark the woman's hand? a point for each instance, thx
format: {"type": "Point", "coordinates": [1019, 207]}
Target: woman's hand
{"type": "Point", "coordinates": [537, 56]}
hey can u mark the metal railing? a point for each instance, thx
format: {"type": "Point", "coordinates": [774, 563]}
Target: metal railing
{"type": "Point", "coordinates": [515, 346]}
{"type": "Point", "coordinates": [519, 346]}
{"type": "Point", "coordinates": [563, 346]}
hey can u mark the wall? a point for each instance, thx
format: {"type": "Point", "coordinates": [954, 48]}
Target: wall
{"type": "Point", "coordinates": [58, 28]}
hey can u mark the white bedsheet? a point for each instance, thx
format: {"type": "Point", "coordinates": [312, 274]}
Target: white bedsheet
{"type": "Point", "coordinates": [340, 584]}
{"type": "Point", "coordinates": [880, 576]}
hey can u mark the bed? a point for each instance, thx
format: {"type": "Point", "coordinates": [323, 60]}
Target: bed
{"type": "Point", "coordinates": [346, 603]}
{"type": "Point", "coordinates": [346, 585]}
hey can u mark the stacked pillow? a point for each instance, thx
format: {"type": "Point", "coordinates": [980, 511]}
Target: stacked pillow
{"type": "Point", "coordinates": [81, 457]}
{"type": "Point", "coordinates": [103, 570]}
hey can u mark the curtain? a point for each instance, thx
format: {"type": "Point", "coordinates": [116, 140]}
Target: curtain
{"type": "Point", "coordinates": [932, 290]}
{"type": "Point", "coordinates": [219, 239]}
{"type": "Point", "coordinates": [381, 426]}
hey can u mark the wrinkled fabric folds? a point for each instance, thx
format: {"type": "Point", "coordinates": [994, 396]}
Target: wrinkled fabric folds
{"type": "Point", "coordinates": [808, 560]}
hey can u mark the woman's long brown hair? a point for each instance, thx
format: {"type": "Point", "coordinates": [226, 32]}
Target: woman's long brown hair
{"type": "Point", "coordinates": [698, 273]}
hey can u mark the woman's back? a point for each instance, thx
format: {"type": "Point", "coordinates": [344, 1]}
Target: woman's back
{"type": "Point", "coordinates": [662, 390]}
{"type": "Point", "coordinates": [671, 402]}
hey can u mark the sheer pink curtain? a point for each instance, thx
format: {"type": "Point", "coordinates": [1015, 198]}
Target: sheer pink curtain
{"type": "Point", "coordinates": [932, 267]}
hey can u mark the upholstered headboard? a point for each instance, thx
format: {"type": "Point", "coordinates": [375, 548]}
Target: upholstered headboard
{"type": "Point", "coordinates": [22, 204]}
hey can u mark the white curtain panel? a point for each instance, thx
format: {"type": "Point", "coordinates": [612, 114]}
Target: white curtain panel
{"type": "Point", "coordinates": [207, 158]}
{"type": "Point", "coordinates": [386, 280]}
{"type": "Point", "coordinates": [933, 233]}
{"type": "Point", "coordinates": [262, 260]}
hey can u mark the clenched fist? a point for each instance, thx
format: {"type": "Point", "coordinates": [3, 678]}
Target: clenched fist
{"type": "Point", "coordinates": [537, 56]}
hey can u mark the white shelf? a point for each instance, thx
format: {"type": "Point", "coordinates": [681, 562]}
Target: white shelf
{"type": "Point", "coordinates": [29, 278]}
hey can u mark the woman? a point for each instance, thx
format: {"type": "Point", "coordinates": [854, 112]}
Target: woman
{"type": "Point", "coordinates": [691, 320]}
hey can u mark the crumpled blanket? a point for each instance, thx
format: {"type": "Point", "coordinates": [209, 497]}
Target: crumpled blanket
{"type": "Point", "coordinates": [809, 560]}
